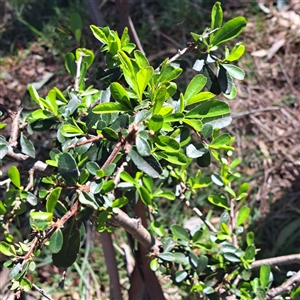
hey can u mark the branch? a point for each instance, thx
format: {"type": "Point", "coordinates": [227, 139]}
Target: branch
{"type": "Point", "coordinates": [285, 287]}
{"type": "Point", "coordinates": [41, 292]}
{"type": "Point", "coordinates": [277, 261]}
{"type": "Point", "coordinates": [137, 230]}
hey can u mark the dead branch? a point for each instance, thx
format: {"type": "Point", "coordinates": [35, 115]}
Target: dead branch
{"type": "Point", "coordinates": [285, 287]}
{"type": "Point", "coordinates": [277, 261]}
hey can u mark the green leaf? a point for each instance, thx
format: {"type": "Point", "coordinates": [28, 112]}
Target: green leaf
{"type": "Point", "coordinates": [142, 146]}
{"type": "Point", "coordinates": [2, 208]}
{"type": "Point", "coordinates": [193, 152]}
{"type": "Point", "coordinates": [211, 108]}
{"type": "Point", "coordinates": [167, 256]}
{"type": "Point", "coordinates": [204, 160]}
{"type": "Point", "coordinates": [203, 96]}
{"type": "Point", "coordinates": [243, 215]}
{"type": "Point", "coordinates": [145, 195]}
{"type": "Point", "coordinates": [234, 71]}
{"type": "Point", "coordinates": [236, 53]}
{"type": "Point", "coordinates": [194, 87]}
{"type": "Point", "coordinates": [159, 98]}
{"type": "Point", "coordinates": [51, 101]}
{"type": "Point", "coordinates": [202, 263]}
{"type": "Point", "coordinates": [212, 83]}
{"type": "Point", "coordinates": [157, 228]}
{"type": "Point", "coordinates": [166, 143]}
{"type": "Point", "coordinates": [143, 77]}
{"type": "Point", "coordinates": [127, 177]}
{"type": "Point", "coordinates": [109, 107]}
{"type": "Point", "coordinates": [120, 95]}
{"type": "Point", "coordinates": [69, 130]}
{"type": "Point", "coordinates": [206, 130]}
{"type": "Point", "coordinates": [108, 186]}
{"type": "Point", "coordinates": [180, 258]}
{"type": "Point", "coordinates": [222, 140]}
{"type": "Point", "coordinates": [14, 176]}
{"type": "Point", "coordinates": [195, 124]}
{"type": "Point", "coordinates": [154, 265]}
{"type": "Point", "coordinates": [70, 64]}
{"type": "Point", "coordinates": [120, 202]}
{"type": "Point", "coordinates": [156, 123]}
{"type": "Point", "coordinates": [250, 238]}
{"type": "Point", "coordinates": [180, 276]}
{"type": "Point", "coordinates": [70, 248]}
{"type": "Point", "coordinates": [147, 164]}
{"type": "Point", "coordinates": [67, 168]}
{"type": "Point", "coordinates": [99, 33]}
{"type": "Point", "coordinates": [128, 70]}
{"type": "Point", "coordinates": [87, 199]}
{"type": "Point", "coordinates": [52, 199]}
{"type": "Point", "coordinates": [56, 241]}
{"type": "Point", "coordinates": [34, 95]}
{"type": "Point", "coordinates": [109, 169]}
{"type": "Point", "coordinates": [225, 80]}
{"type": "Point", "coordinates": [217, 179]}
{"type": "Point", "coordinates": [243, 189]}
{"type": "Point", "coordinates": [110, 134]}
{"type": "Point", "coordinates": [76, 26]}
{"type": "Point", "coordinates": [174, 158]}
{"type": "Point", "coordinates": [165, 194]}
{"type": "Point", "coordinates": [216, 16]}
{"type": "Point", "coordinates": [92, 167]}
{"type": "Point", "coordinates": [264, 275]}
{"type": "Point", "coordinates": [230, 30]}
{"type": "Point", "coordinates": [7, 249]}
{"type": "Point", "coordinates": [141, 59]}
{"type": "Point", "coordinates": [250, 253]}
{"type": "Point", "coordinates": [25, 285]}
{"type": "Point", "coordinates": [218, 200]}
{"type": "Point", "coordinates": [40, 220]}
{"type": "Point", "coordinates": [180, 233]}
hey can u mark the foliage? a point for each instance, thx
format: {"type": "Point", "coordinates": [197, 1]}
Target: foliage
{"type": "Point", "coordinates": [134, 141]}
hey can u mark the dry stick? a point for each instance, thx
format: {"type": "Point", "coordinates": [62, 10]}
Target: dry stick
{"type": "Point", "coordinates": [253, 111]}
{"type": "Point", "coordinates": [277, 261]}
{"type": "Point", "coordinates": [135, 36]}
{"type": "Point", "coordinates": [285, 287]}
{"type": "Point", "coordinates": [42, 292]}
{"type": "Point", "coordinates": [14, 133]}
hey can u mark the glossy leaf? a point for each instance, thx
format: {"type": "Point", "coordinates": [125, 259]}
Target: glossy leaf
{"type": "Point", "coordinates": [194, 87]}
{"type": "Point", "coordinates": [70, 64]}
{"type": "Point", "coordinates": [212, 83]}
{"type": "Point", "coordinates": [234, 71]}
{"type": "Point", "coordinates": [142, 146]}
{"type": "Point", "coordinates": [204, 160]}
{"type": "Point", "coordinates": [14, 176]}
{"type": "Point", "coordinates": [147, 164]}
{"type": "Point", "coordinates": [236, 53]}
{"type": "Point", "coordinates": [52, 199]}
{"type": "Point", "coordinates": [225, 80]}
{"type": "Point", "coordinates": [243, 215]}
{"type": "Point", "coordinates": [120, 202]}
{"type": "Point", "coordinates": [70, 248]}
{"type": "Point", "coordinates": [56, 241]}
{"type": "Point", "coordinates": [180, 233]}
{"type": "Point", "coordinates": [156, 122]}
{"type": "Point", "coordinates": [193, 152]}
{"type": "Point", "coordinates": [167, 256]}
{"type": "Point", "coordinates": [203, 96]}
{"type": "Point", "coordinates": [143, 77]}
{"type": "Point", "coordinates": [230, 30]}
{"type": "Point", "coordinates": [180, 276]}
{"type": "Point", "coordinates": [67, 168]}
{"type": "Point", "coordinates": [210, 108]}
{"type": "Point", "coordinates": [218, 200]}
{"type": "Point", "coordinates": [145, 195]}
{"type": "Point", "coordinates": [120, 95]}
{"type": "Point", "coordinates": [7, 249]}
{"type": "Point", "coordinates": [264, 275]}
{"type": "Point", "coordinates": [166, 143]}
{"type": "Point", "coordinates": [216, 16]}
{"type": "Point", "coordinates": [87, 199]}
{"type": "Point", "coordinates": [40, 220]}
{"type": "Point", "coordinates": [202, 263]}
{"type": "Point", "coordinates": [109, 107]}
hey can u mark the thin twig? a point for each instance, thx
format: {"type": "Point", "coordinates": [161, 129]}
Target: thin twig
{"type": "Point", "coordinates": [14, 133]}
{"type": "Point", "coordinates": [42, 292]}
{"type": "Point", "coordinates": [253, 111]}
